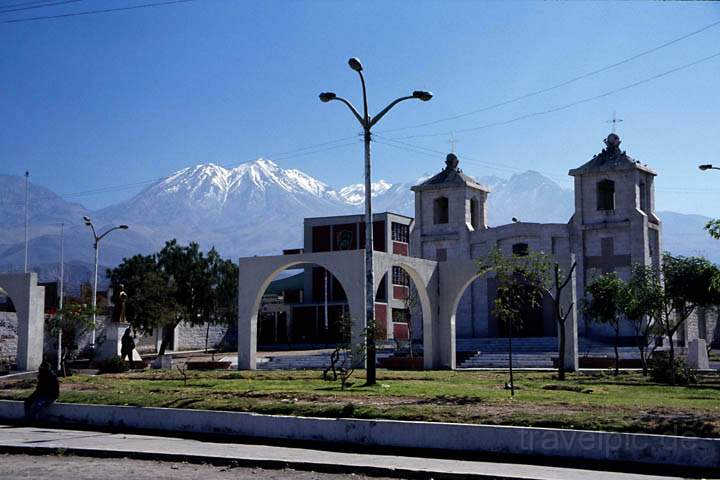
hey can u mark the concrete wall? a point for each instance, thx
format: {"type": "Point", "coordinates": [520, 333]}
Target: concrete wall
{"type": "Point", "coordinates": [193, 338]}
{"type": "Point", "coordinates": [545, 442]}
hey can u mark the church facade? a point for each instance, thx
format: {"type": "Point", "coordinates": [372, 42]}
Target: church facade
{"type": "Point", "coordinates": [614, 226]}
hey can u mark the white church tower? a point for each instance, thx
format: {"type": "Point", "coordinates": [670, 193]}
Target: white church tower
{"type": "Point", "coordinates": [614, 225]}
{"type": "Point", "coordinates": [448, 208]}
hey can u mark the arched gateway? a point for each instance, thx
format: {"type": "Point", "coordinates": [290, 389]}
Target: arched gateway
{"type": "Point", "coordinates": [440, 286]}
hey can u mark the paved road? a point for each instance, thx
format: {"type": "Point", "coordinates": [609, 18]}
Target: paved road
{"type": "Point", "coordinates": [75, 442]}
{"type": "Point", "coordinates": [24, 467]}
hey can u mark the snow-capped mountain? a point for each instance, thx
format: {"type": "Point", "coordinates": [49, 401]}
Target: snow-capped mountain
{"type": "Point", "coordinates": [257, 208]}
{"type": "Point", "coordinates": [355, 194]}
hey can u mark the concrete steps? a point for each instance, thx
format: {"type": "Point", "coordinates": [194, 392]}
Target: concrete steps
{"type": "Point", "coordinates": [530, 352]}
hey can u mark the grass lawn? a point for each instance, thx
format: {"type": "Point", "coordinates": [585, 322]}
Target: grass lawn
{"type": "Point", "coordinates": [626, 403]}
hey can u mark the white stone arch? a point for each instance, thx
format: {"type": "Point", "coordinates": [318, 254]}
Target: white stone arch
{"type": "Point", "coordinates": [423, 273]}
{"type": "Point", "coordinates": [454, 276]}
{"type": "Point", "coordinates": [29, 301]}
{"type": "Point", "coordinates": [256, 274]}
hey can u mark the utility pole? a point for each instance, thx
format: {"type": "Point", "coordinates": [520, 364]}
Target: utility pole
{"type": "Point", "coordinates": [367, 122]}
{"type": "Point", "coordinates": [27, 217]}
{"type": "Point", "coordinates": [60, 301]}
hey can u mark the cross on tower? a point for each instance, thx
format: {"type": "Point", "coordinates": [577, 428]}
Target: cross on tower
{"type": "Point", "coordinates": [452, 143]}
{"type": "Point", "coordinates": [607, 261]}
{"type": "Point", "coordinates": [614, 121]}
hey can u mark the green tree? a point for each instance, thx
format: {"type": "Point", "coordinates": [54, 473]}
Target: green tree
{"type": "Point", "coordinates": [224, 285]}
{"type": "Point", "coordinates": [177, 284]}
{"type": "Point", "coordinates": [151, 301]}
{"type": "Point", "coordinates": [641, 303]}
{"type": "Point", "coordinates": [713, 228]}
{"type": "Point", "coordinates": [536, 267]}
{"type": "Point", "coordinates": [688, 283]}
{"type": "Point", "coordinates": [604, 305]}
{"type": "Point", "coordinates": [72, 321]}
{"type": "Point", "coordinates": [521, 283]}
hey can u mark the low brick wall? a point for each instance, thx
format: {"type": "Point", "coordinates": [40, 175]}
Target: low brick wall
{"type": "Point", "coordinates": [193, 337]}
{"type": "Point", "coordinates": [698, 453]}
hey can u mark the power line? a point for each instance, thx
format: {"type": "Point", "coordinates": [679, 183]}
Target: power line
{"type": "Point", "coordinates": [561, 84]}
{"type": "Point", "coordinates": [499, 166]}
{"type": "Point", "coordinates": [94, 12]}
{"type": "Point", "coordinates": [47, 4]}
{"type": "Point", "coordinates": [465, 159]}
{"type": "Point", "coordinates": [568, 105]}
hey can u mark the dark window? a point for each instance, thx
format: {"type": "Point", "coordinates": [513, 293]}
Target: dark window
{"type": "Point", "coordinates": [441, 254]}
{"type": "Point", "coordinates": [475, 213]}
{"type": "Point", "coordinates": [400, 277]}
{"type": "Point", "coordinates": [321, 239]}
{"type": "Point", "coordinates": [344, 237]}
{"type": "Point", "coordinates": [606, 195]}
{"type": "Point", "coordinates": [400, 232]}
{"type": "Point", "coordinates": [440, 210]}
{"type": "Point", "coordinates": [378, 236]}
{"type": "Point", "coordinates": [520, 249]}
{"type": "Point", "coordinates": [644, 197]}
{"type": "Point", "coordinates": [400, 315]}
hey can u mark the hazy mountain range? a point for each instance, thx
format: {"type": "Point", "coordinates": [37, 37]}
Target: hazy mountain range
{"type": "Point", "coordinates": [258, 208]}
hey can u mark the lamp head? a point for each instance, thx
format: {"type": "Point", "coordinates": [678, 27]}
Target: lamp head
{"type": "Point", "coordinates": [123, 227]}
{"type": "Point", "coordinates": [355, 64]}
{"type": "Point", "coordinates": [422, 95]}
{"type": "Point", "coordinates": [87, 220]}
{"type": "Point", "coordinates": [705, 167]}
{"type": "Point", "coordinates": [327, 96]}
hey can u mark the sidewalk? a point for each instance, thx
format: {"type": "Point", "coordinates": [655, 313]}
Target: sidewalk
{"type": "Point", "coordinates": [49, 441]}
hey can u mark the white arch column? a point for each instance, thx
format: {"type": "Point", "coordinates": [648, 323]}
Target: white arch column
{"type": "Point", "coordinates": [29, 301]}
{"type": "Point", "coordinates": [454, 277]}
{"type": "Point", "coordinates": [256, 273]}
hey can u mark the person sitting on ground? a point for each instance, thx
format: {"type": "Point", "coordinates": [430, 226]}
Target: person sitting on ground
{"type": "Point", "coordinates": [45, 394]}
{"type": "Point", "coordinates": [127, 347]}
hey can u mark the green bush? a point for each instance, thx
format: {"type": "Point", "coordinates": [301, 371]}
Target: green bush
{"type": "Point", "coordinates": [111, 365]}
{"type": "Point", "coordinates": [659, 366]}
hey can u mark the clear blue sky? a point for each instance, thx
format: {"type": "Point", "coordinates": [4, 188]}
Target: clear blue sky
{"type": "Point", "coordinates": [103, 100]}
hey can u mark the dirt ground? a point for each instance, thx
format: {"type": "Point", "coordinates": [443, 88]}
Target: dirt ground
{"type": "Point", "coordinates": [24, 467]}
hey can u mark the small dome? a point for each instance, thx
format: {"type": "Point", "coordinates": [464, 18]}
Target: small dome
{"type": "Point", "coordinates": [451, 161]}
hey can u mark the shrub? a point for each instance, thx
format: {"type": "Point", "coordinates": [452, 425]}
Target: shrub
{"type": "Point", "coordinates": [111, 365]}
{"type": "Point", "coordinates": [660, 369]}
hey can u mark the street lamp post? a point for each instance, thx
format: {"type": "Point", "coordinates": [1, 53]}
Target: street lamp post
{"type": "Point", "coordinates": [96, 239]}
{"type": "Point", "coordinates": [708, 167]}
{"type": "Point", "coordinates": [367, 122]}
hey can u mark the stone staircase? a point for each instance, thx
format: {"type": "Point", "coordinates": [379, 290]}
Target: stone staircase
{"type": "Point", "coordinates": [537, 352]}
